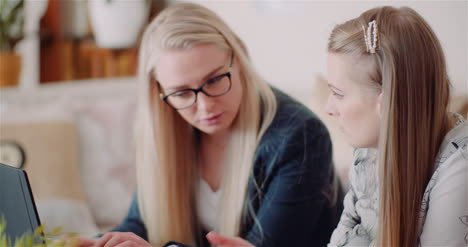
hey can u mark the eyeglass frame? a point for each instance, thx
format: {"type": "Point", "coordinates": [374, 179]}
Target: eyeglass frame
{"type": "Point", "coordinates": [200, 88]}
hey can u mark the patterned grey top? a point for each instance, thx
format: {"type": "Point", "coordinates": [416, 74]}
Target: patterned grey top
{"type": "Point", "coordinates": [444, 210]}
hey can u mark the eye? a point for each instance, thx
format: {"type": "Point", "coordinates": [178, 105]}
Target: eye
{"type": "Point", "coordinates": [215, 80]}
{"type": "Point", "coordinates": [180, 94]}
{"type": "Point", "coordinates": [337, 95]}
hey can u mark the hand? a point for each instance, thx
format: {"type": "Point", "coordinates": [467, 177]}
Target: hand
{"type": "Point", "coordinates": [114, 239]}
{"type": "Point", "coordinates": [223, 241]}
{"type": "Point", "coordinates": [73, 241]}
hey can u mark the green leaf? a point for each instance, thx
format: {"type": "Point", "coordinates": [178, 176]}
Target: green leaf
{"type": "Point", "coordinates": [39, 230]}
{"type": "Point", "coordinates": [2, 224]}
{"type": "Point", "coordinates": [11, 23]}
{"type": "Point", "coordinates": [72, 235]}
{"type": "Point", "coordinates": [35, 239]}
{"type": "Point", "coordinates": [57, 230]}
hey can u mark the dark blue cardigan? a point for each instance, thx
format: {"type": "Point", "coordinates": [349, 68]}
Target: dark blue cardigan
{"type": "Point", "coordinates": [293, 169]}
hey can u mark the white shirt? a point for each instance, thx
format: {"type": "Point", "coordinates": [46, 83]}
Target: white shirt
{"type": "Point", "coordinates": [207, 205]}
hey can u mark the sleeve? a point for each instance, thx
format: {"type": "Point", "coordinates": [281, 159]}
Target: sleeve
{"type": "Point", "coordinates": [294, 201]}
{"type": "Point", "coordinates": [447, 216]}
{"type": "Point", "coordinates": [133, 222]}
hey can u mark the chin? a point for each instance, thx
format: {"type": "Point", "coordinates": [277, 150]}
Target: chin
{"type": "Point", "coordinates": [212, 130]}
{"type": "Point", "coordinates": [362, 144]}
{"type": "Point", "coordinates": [364, 141]}
{"type": "Point", "coordinates": [355, 143]}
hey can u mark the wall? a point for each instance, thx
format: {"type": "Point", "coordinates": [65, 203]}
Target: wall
{"type": "Point", "coordinates": [287, 39]}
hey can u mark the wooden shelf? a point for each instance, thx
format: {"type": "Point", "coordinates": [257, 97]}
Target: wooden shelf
{"type": "Point", "coordinates": [96, 62]}
{"type": "Point", "coordinates": [65, 56]}
{"type": "Point", "coordinates": [83, 59]}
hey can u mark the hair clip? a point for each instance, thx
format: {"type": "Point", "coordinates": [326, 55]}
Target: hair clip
{"type": "Point", "coordinates": [371, 41]}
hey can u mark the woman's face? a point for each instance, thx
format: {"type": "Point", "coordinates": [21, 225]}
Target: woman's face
{"type": "Point", "coordinates": [180, 69]}
{"type": "Point", "coordinates": [353, 101]}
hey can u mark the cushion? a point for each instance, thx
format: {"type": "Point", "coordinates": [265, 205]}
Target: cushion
{"type": "Point", "coordinates": [105, 126]}
{"type": "Point", "coordinates": [49, 138]}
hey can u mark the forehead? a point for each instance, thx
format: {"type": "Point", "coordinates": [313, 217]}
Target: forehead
{"type": "Point", "coordinates": [345, 68]}
{"type": "Point", "coordinates": [185, 67]}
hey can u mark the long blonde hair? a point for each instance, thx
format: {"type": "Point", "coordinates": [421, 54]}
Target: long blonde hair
{"type": "Point", "coordinates": [166, 144]}
{"type": "Point", "coordinates": [411, 72]}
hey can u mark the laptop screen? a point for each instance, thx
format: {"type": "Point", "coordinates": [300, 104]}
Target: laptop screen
{"type": "Point", "coordinates": [17, 202]}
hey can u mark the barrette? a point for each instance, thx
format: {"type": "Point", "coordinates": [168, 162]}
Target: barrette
{"type": "Point", "coordinates": [371, 36]}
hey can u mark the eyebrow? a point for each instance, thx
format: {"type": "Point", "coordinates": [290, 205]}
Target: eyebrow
{"type": "Point", "coordinates": [204, 79]}
{"type": "Point", "coordinates": [331, 86]}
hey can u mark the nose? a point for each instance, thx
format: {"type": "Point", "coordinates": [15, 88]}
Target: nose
{"type": "Point", "coordinates": [204, 102]}
{"type": "Point", "coordinates": [330, 107]}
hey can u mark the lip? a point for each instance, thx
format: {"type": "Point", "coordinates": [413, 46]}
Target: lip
{"type": "Point", "coordinates": [213, 120]}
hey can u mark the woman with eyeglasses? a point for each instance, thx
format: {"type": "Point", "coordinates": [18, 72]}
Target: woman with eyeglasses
{"type": "Point", "coordinates": [218, 149]}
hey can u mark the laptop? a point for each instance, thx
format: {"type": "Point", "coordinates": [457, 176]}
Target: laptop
{"type": "Point", "coordinates": [17, 202]}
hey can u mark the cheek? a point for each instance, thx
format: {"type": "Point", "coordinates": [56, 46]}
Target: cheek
{"type": "Point", "coordinates": [351, 115]}
{"type": "Point", "coordinates": [234, 96]}
{"type": "Point", "coordinates": [238, 92]}
{"type": "Point", "coordinates": [361, 123]}
{"type": "Point", "coordinates": [188, 115]}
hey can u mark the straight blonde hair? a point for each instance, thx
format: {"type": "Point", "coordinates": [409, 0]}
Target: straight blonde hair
{"type": "Point", "coordinates": [410, 70]}
{"type": "Point", "coordinates": [166, 151]}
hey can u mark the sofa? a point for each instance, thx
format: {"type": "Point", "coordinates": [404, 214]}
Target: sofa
{"type": "Point", "coordinates": [77, 138]}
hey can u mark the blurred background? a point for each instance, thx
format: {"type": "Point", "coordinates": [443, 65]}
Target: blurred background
{"type": "Point", "coordinates": [69, 40]}
{"type": "Point", "coordinates": [67, 86]}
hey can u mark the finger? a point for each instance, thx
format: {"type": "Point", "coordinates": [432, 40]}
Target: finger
{"type": "Point", "coordinates": [137, 239]}
{"type": "Point", "coordinates": [120, 237]}
{"type": "Point", "coordinates": [115, 240]}
{"type": "Point", "coordinates": [217, 239]}
{"type": "Point", "coordinates": [80, 242]}
{"type": "Point", "coordinates": [75, 241]}
{"type": "Point", "coordinates": [104, 239]}
{"type": "Point", "coordinates": [128, 243]}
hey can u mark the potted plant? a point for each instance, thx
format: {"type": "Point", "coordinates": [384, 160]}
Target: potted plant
{"type": "Point", "coordinates": [11, 32]}
{"type": "Point", "coordinates": [118, 23]}
{"type": "Point", "coordinates": [37, 238]}
{"type": "Point", "coordinates": [11, 23]}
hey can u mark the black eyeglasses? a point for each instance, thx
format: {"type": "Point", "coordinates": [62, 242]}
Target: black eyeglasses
{"type": "Point", "coordinates": [214, 87]}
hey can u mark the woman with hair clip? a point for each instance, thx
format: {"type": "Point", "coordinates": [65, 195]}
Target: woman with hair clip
{"type": "Point", "coordinates": [218, 149]}
{"type": "Point", "coordinates": [390, 94]}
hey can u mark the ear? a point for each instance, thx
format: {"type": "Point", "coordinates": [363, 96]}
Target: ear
{"type": "Point", "coordinates": [379, 104]}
